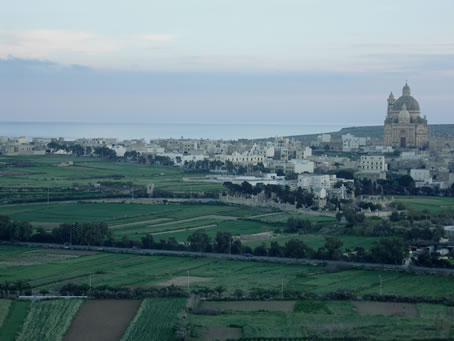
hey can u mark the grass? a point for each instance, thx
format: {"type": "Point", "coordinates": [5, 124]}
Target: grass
{"type": "Point", "coordinates": [432, 204]}
{"type": "Point", "coordinates": [155, 319]}
{"type": "Point", "coordinates": [14, 320]}
{"type": "Point", "coordinates": [44, 173]}
{"type": "Point", "coordinates": [316, 241]}
{"type": "Point", "coordinates": [4, 308]}
{"type": "Point", "coordinates": [237, 228]}
{"type": "Point", "coordinates": [119, 213]}
{"type": "Point", "coordinates": [312, 307]}
{"type": "Point", "coordinates": [135, 270]}
{"type": "Point", "coordinates": [49, 320]}
{"type": "Point", "coordinates": [331, 319]}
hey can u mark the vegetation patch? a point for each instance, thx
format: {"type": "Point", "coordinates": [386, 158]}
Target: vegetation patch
{"type": "Point", "coordinates": [14, 320]}
{"type": "Point", "coordinates": [283, 306]}
{"type": "Point", "coordinates": [4, 308]}
{"type": "Point", "coordinates": [155, 320]}
{"type": "Point", "coordinates": [181, 281]}
{"type": "Point", "coordinates": [48, 320]}
{"type": "Point", "coordinates": [312, 307]}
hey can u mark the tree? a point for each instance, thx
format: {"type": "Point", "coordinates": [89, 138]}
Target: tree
{"type": "Point", "coordinates": [223, 242]}
{"type": "Point", "coordinates": [333, 247]}
{"type": "Point", "coordinates": [296, 248]}
{"type": "Point", "coordinates": [275, 250]}
{"type": "Point", "coordinates": [260, 251]}
{"type": "Point", "coordinates": [219, 290]}
{"type": "Point", "coordinates": [148, 241]}
{"type": "Point", "coordinates": [199, 241]}
{"type": "Point", "coordinates": [388, 251]}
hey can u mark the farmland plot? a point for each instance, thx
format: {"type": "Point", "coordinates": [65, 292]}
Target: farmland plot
{"type": "Point", "coordinates": [155, 320]}
{"type": "Point", "coordinates": [4, 308]}
{"type": "Point", "coordinates": [48, 320]}
{"type": "Point", "coordinates": [13, 322]}
{"type": "Point", "coordinates": [102, 320]}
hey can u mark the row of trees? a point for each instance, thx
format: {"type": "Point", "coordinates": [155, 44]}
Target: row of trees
{"type": "Point", "coordinates": [283, 194]}
{"type": "Point", "coordinates": [81, 234]}
{"type": "Point", "coordinates": [397, 185]}
{"type": "Point", "coordinates": [78, 150]}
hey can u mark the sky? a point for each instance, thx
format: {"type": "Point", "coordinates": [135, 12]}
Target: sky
{"type": "Point", "coordinates": [236, 61]}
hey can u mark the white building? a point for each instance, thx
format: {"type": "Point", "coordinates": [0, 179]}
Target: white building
{"type": "Point", "coordinates": [307, 152]}
{"type": "Point", "coordinates": [296, 166]}
{"type": "Point", "coordinates": [422, 175]}
{"type": "Point", "coordinates": [309, 181]}
{"type": "Point", "coordinates": [350, 142]}
{"type": "Point", "coordinates": [324, 138]}
{"type": "Point", "coordinates": [373, 163]}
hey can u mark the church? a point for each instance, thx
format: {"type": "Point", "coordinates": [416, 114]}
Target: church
{"type": "Point", "coordinates": [404, 126]}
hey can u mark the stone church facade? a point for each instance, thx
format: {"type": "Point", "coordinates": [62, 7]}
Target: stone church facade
{"type": "Point", "coordinates": [404, 126]}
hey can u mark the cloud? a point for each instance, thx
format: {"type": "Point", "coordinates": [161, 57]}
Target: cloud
{"type": "Point", "coordinates": [156, 37]}
{"type": "Point", "coordinates": [71, 47]}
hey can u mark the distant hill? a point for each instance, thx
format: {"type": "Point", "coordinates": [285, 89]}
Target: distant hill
{"type": "Point", "coordinates": [435, 130]}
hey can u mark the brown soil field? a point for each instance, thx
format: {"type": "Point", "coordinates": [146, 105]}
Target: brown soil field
{"type": "Point", "coordinates": [42, 257]}
{"type": "Point", "coordinates": [282, 306]}
{"type": "Point", "coordinates": [67, 252]}
{"type": "Point", "coordinates": [182, 281]}
{"type": "Point", "coordinates": [387, 309]}
{"type": "Point", "coordinates": [220, 333]}
{"type": "Point", "coordinates": [78, 167]}
{"type": "Point", "coordinates": [185, 229]}
{"type": "Point", "coordinates": [45, 224]}
{"type": "Point", "coordinates": [158, 220]}
{"type": "Point", "coordinates": [102, 320]}
{"type": "Point", "coordinates": [257, 236]}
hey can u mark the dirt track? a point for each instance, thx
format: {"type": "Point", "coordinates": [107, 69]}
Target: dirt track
{"type": "Point", "coordinates": [386, 309]}
{"type": "Point", "coordinates": [102, 320]}
{"type": "Point", "coordinates": [173, 222]}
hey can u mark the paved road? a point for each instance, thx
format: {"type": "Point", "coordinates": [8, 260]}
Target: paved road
{"type": "Point", "coordinates": [243, 258]}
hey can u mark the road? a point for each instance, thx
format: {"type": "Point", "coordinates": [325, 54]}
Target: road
{"type": "Point", "coordinates": [345, 264]}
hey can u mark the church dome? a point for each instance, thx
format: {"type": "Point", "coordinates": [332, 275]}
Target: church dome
{"type": "Point", "coordinates": [410, 104]}
{"type": "Point", "coordinates": [404, 115]}
{"type": "Point", "coordinates": [406, 98]}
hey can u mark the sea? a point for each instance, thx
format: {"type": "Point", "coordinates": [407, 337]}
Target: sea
{"type": "Point", "coordinates": [124, 131]}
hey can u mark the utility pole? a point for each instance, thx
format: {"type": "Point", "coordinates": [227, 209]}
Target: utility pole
{"type": "Point", "coordinates": [381, 285]}
{"type": "Point", "coordinates": [188, 283]}
{"type": "Point", "coordinates": [282, 287]}
{"type": "Point", "coordinates": [48, 196]}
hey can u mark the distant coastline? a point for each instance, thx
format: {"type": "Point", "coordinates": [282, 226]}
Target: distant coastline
{"type": "Point", "coordinates": [230, 131]}
{"type": "Point", "coordinates": [226, 131]}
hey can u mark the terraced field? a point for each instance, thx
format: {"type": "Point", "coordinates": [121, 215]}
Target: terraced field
{"type": "Point", "coordinates": [48, 320]}
{"type": "Point", "coordinates": [155, 320]}
{"type": "Point", "coordinates": [134, 270]}
{"type": "Point", "coordinates": [432, 204]}
{"type": "Point", "coordinates": [12, 324]}
{"type": "Point", "coordinates": [42, 172]}
{"type": "Point", "coordinates": [329, 319]}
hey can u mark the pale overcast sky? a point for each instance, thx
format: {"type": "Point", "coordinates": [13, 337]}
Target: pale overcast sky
{"type": "Point", "coordinates": [287, 61]}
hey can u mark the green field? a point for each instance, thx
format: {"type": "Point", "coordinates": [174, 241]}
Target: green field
{"type": "Point", "coordinates": [48, 320]}
{"type": "Point", "coordinates": [155, 320]}
{"type": "Point", "coordinates": [4, 308]}
{"type": "Point", "coordinates": [316, 241]}
{"type": "Point", "coordinates": [432, 204]}
{"type": "Point", "coordinates": [334, 319]}
{"type": "Point", "coordinates": [42, 173]}
{"type": "Point", "coordinates": [13, 322]}
{"type": "Point", "coordinates": [119, 213]}
{"type": "Point", "coordinates": [133, 270]}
